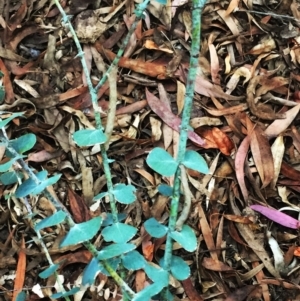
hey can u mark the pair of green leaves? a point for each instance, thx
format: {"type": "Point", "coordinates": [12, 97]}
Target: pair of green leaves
{"type": "Point", "coordinates": [186, 237]}
{"type": "Point", "coordinates": [20, 145]}
{"type": "Point", "coordinates": [124, 194]}
{"type": "Point", "coordinates": [131, 260]}
{"type": "Point", "coordinates": [164, 164]}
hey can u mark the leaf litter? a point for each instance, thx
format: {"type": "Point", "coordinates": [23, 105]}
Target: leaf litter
{"type": "Point", "coordinates": [243, 126]}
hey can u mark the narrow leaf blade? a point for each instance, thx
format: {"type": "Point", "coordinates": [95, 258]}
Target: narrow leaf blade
{"type": "Point", "coordinates": [50, 221]}
{"type": "Point", "coordinates": [277, 216]}
{"type": "Point", "coordinates": [115, 250]}
{"type": "Point", "coordinates": [49, 271]}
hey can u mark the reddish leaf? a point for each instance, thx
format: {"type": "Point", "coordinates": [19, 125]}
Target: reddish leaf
{"type": "Point", "coordinates": [223, 142]}
{"type": "Point", "coordinates": [239, 162]}
{"type": "Point", "coordinates": [17, 18]}
{"type": "Point", "coordinates": [78, 207]}
{"type": "Point", "coordinates": [162, 110]}
{"type": "Point", "coordinates": [262, 155]}
{"type": "Point", "coordinates": [9, 92]}
{"type": "Point", "coordinates": [190, 290]}
{"type": "Point", "coordinates": [20, 272]}
{"type": "Point", "coordinates": [277, 216]}
{"type": "Point", "coordinates": [238, 218]}
{"type": "Point", "coordinates": [289, 172]}
{"type": "Point", "coordinates": [241, 294]}
{"type": "Point", "coordinates": [215, 265]}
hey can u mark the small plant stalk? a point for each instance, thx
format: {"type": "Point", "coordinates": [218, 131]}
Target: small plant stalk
{"type": "Point", "coordinates": [185, 127]}
{"type": "Point", "coordinates": [93, 90]}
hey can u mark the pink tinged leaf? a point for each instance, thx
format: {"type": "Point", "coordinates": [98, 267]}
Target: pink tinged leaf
{"type": "Point", "coordinates": [163, 111]}
{"type": "Point", "coordinates": [277, 216]}
{"type": "Point", "coordinates": [239, 162]}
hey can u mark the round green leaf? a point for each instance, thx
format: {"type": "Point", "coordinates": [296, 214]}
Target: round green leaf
{"type": "Point", "coordinates": [162, 162]}
{"type": "Point", "coordinates": [157, 274]}
{"type": "Point", "coordinates": [82, 232]}
{"type": "Point", "coordinates": [179, 268]}
{"type": "Point", "coordinates": [154, 228]}
{"type": "Point", "coordinates": [195, 161]}
{"type": "Point", "coordinates": [89, 137]}
{"type": "Point", "coordinates": [124, 194]}
{"type": "Point", "coordinates": [186, 238]}
{"type": "Point", "coordinates": [118, 233]}
{"type": "Point", "coordinates": [115, 250]}
{"type": "Point", "coordinates": [50, 221]}
{"type": "Point", "coordinates": [133, 261]}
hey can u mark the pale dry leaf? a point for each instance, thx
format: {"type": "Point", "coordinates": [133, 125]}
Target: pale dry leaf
{"type": "Point", "coordinates": [81, 116]}
{"type": "Point", "coordinates": [277, 252]}
{"type": "Point", "coordinates": [247, 276]}
{"type": "Point", "coordinates": [175, 143]}
{"type": "Point", "coordinates": [214, 64]}
{"type": "Point", "coordinates": [254, 243]}
{"type": "Point", "coordinates": [187, 21]}
{"type": "Point", "coordinates": [232, 83]}
{"type": "Point", "coordinates": [265, 46]}
{"type": "Point", "coordinates": [149, 44]}
{"type": "Point", "coordinates": [207, 233]}
{"type": "Point", "coordinates": [277, 149]}
{"type": "Point", "coordinates": [283, 193]}
{"type": "Point", "coordinates": [232, 7]}
{"type": "Point", "coordinates": [162, 12]}
{"type": "Point", "coordinates": [87, 184]}
{"type": "Point", "coordinates": [230, 21]}
{"type": "Point", "coordinates": [132, 131]}
{"type": "Point", "coordinates": [201, 121]}
{"type": "Point", "coordinates": [180, 96]}
{"type": "Point", "coordinates": [239, 162]}
{"type": "Point", "coordinates": [146, 175]}
{"type": "Point", "coordinates": [167, 134]}
{"type": "Point", "coordinates": [262, 155]}
{"type": "Point", "coordinates": [280, 125]}
{"type": "Point", "coordinates": [155, 129]}
{"type": "Point", "coordinates": [24, 85]}
{"type": "Point", "coordinates": [176, 4]}
{"type": "Point", "coordinates": [88, 59]}
{"type": "Point", "coordinates": [227, 64]}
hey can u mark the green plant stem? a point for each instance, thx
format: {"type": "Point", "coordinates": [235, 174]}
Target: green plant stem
{"type": "Point", "coordinates": [70, 222]}
{"type": "Point", "coordinates": [93, 90]}
{"type": "Point", "coordinates": [184, 128]}
{"type": "Point", "coordinates": [139, 14]}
